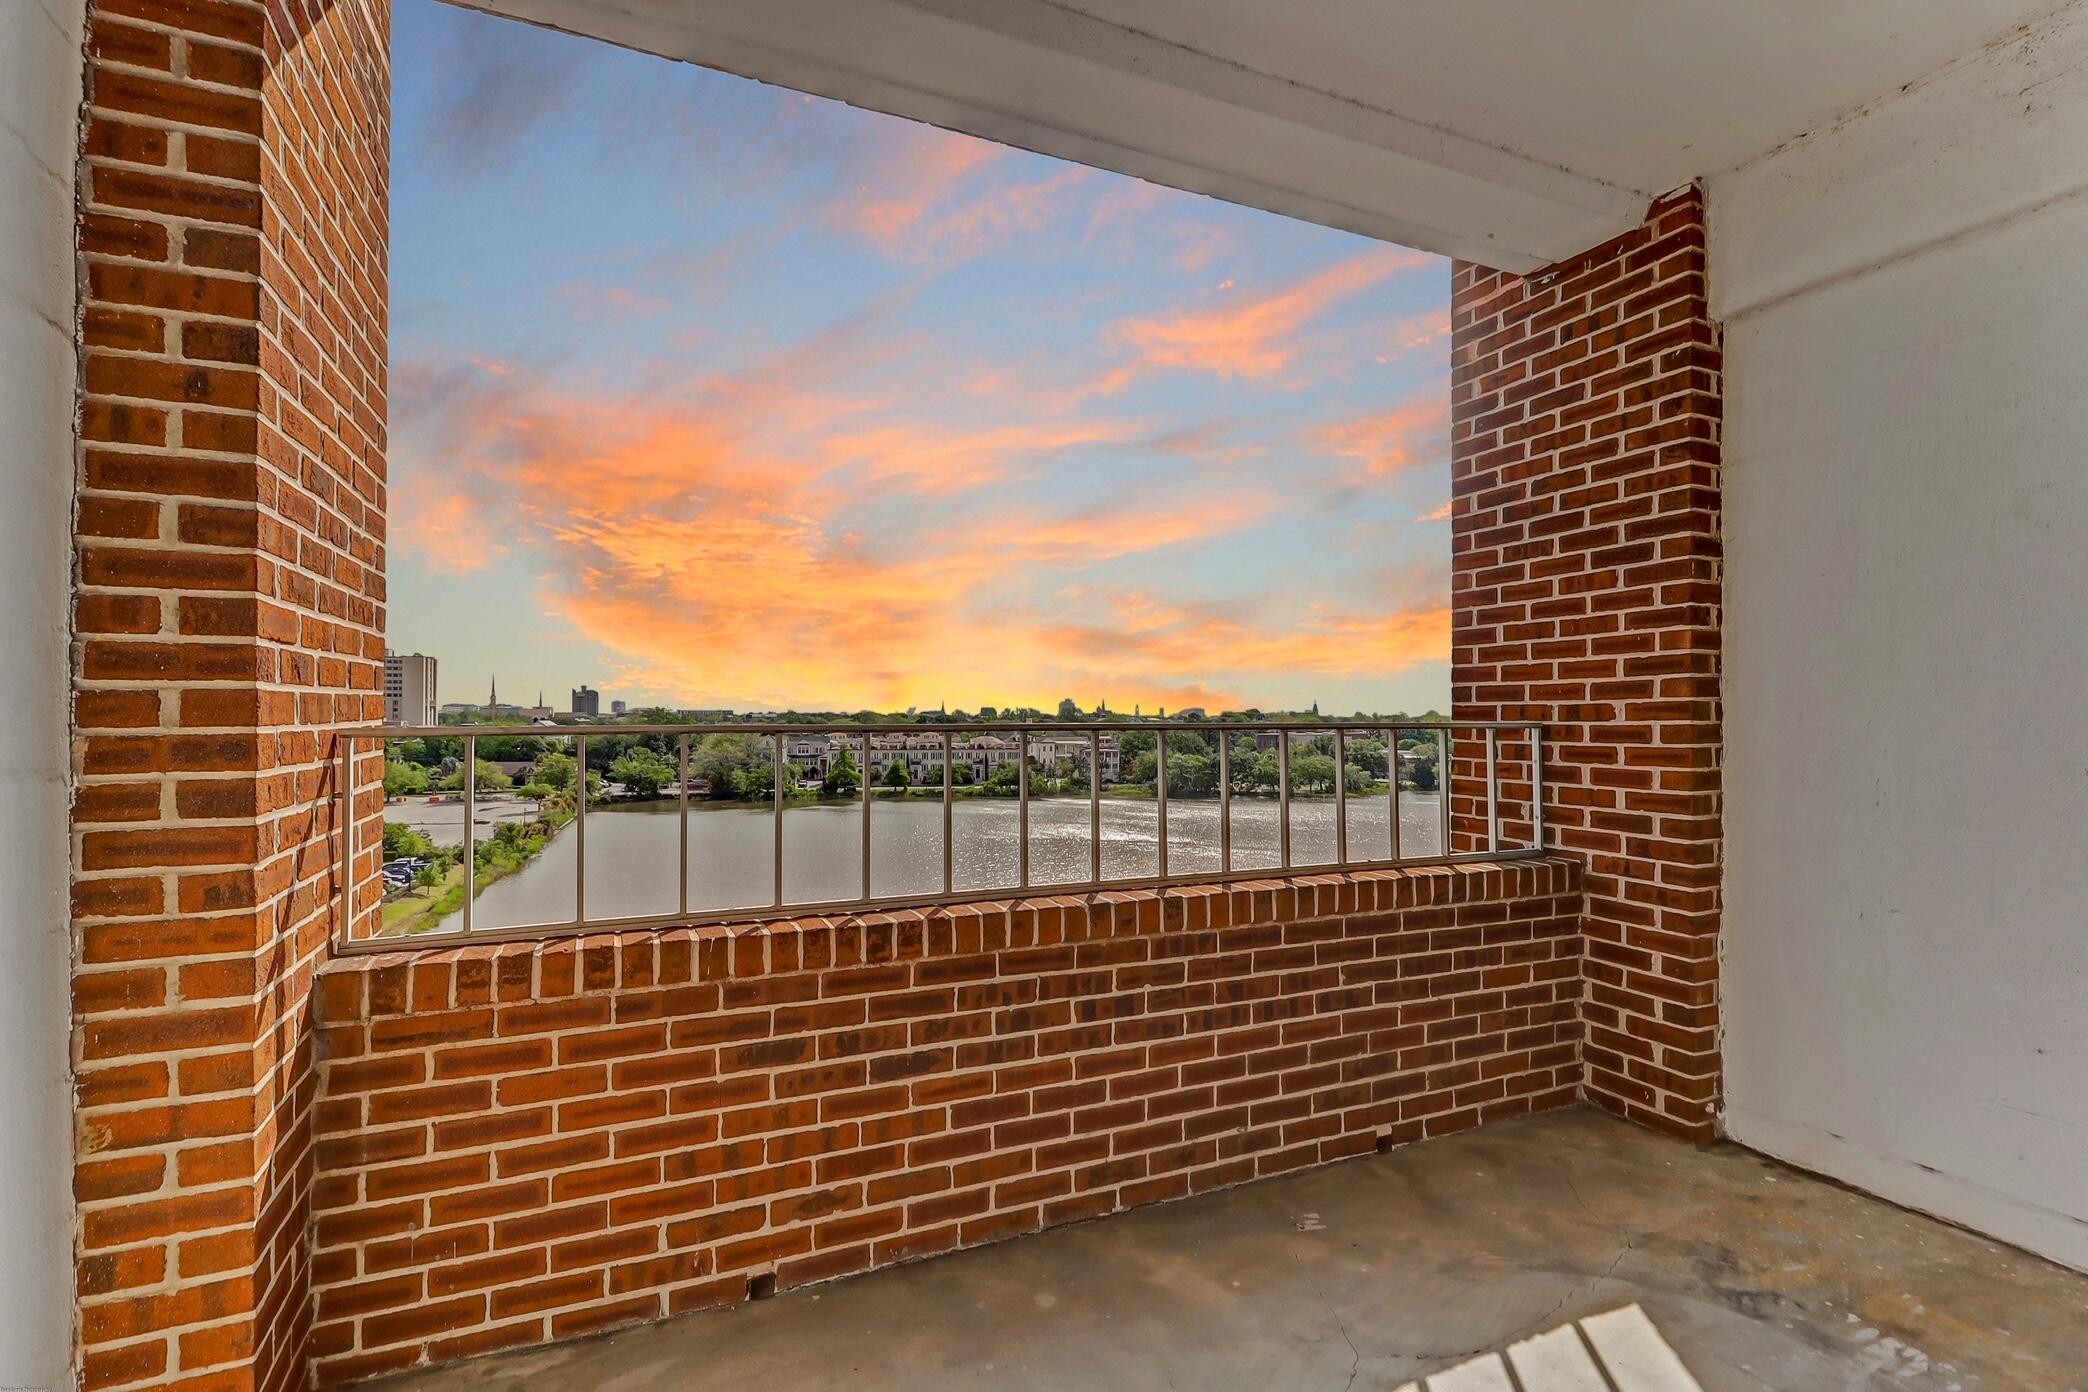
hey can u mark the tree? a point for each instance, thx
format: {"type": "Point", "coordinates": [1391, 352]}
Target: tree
{"type": "Point", "coordinates": [843, 778]}
{"type": "Point", "coordinates": [431, 753]}
{"type": "Point", "coordinates": [1146, 767]}
{"type": "Point", "coordinates": [554, 771]}
{"type": "Point", "coordinates": [430, 875]}
{"type": "Point", "coordinates": [1006, 777]}
{"type": "Point", "coordinates": [1068, 709]}
{"type": "Point", "coordinates": [402, 840]}
{"type": "Point", "coordinates": [402, 779]}
{"type": "Point", "coordinates": [960, 775]}
{"type": "Point", "coordinates": [727, 761]}
{"type": "Point", "coordinates": [758, 783]}
{"type": "Point", "coordinates": [509, 748]}
{"type": "Point", "coordinates": [490, 779]}
{"type": "Point", "coordinates": [1313, 771]}
{"type": "Point", "coordinates": [642, 772]}
{"type": "Point", "coordinates": [1133, 743]}
{"type": "Point", "coordinates": [1368, 755]}
{"type": "Point", "coordinates": [1357, 778]}
{"type": "Point", "coordinates": [1423, 777]}
{"type": "Point", "coordinates": [1263, 774]}
{"type": "Point", "coordinates": [1186, 743]}
{"type": "Point", "coordinates": [897, 776]}
{"type": "Point", "coordinates": [1191, 775]}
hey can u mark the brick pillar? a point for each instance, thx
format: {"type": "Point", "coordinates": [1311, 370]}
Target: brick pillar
{"type": "Point", "coordinates": [1585, 408]}
{"type": "Point", "coordinates": [229, 568]}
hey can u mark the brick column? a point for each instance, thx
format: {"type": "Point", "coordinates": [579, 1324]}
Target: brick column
{"type": "Point", "coordinates": [1585, 409]}
{"type": "Point", "coordinates": [229, 568]}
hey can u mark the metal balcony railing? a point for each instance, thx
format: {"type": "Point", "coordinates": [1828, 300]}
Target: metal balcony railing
{"type": "Point", "coordinates": [1497, 768]}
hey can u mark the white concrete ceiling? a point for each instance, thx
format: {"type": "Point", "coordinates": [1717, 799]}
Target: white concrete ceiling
{"type": "Point", "coordinates": [1508, 131]}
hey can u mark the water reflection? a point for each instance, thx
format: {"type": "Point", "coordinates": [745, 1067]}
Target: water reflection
{"type": "Point", "coordinates": [634, 850]}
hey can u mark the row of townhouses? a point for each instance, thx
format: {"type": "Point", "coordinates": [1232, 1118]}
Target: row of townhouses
{"type": "Point", "coordinates": [977, 755]}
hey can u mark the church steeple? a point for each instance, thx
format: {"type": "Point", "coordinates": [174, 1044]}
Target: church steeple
{"type": "Point", "coordinates": [493, 694]}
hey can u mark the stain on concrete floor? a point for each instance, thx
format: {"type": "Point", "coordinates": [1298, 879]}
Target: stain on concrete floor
{"type": "Point", "coordinates": [1383, 1271]}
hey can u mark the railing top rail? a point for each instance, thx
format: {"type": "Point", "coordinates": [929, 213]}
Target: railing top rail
{"type": "Point", "coordinates": [935, 727]}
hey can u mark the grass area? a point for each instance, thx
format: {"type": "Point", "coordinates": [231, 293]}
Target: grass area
{"type": "Point", "coordinates": [419, 910]}
{"type": "Point", "coordinates": [416, 910]}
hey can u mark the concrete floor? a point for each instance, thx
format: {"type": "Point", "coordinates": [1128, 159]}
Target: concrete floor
{"type": "Point", "coordinates": [1408, 1270]}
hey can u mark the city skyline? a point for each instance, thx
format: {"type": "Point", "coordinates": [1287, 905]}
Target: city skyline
{"type": "Point", "coordinates": [621, 706]}
{"type": "Point", "coordinates": [718, 395]}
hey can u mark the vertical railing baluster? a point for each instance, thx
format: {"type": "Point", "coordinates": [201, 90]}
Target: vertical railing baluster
{"type": "Point", "coordinates": [1283, 794]}
{"type": "Point", "coordinates": [344, 797]}
{"type": "Point", "coordinates": [682, 808]}
{"type": "Point", "coordinates": [1022, 780]}
{"type": "Point", "coordinates": [1537, 788]}
{"type": "Point", "coordinates": [1160, 796]}
{"type": "Point", "coordinates": [776, 848]}
{"type": "Point", "coordinates": [866, 814]}
{"type": "Point", "coordinates": [1493, 794]}
{"type": "Point", "coordinates": [1392, 777]}
{"type": "Point", "coordinates": [1224, 802]}
{"type": "Point", "coordinates": [949, 821]}
{"type": "Point", "coordinates": [580, 836]}
{"type": "Point", "coordinates": [1095, 805]}
{"type": "Point", "coordinates": [1340, 796]}
{"type": "Point", "coordinates": [344, 843]}
{"type": "Point", "coordinates": [471, 825]}
{"type": "Point", "coordinates": [1443, 788]}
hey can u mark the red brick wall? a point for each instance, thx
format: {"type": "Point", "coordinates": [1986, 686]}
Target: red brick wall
{"type": "Point", "coordinates": [1585, 409]}
{"type": "Point", "coordinates": [526, 1142]}
{"type": "Point", "coordinates": [229, 569]}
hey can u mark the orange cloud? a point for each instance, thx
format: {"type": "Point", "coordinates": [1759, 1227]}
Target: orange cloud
{"type": "Point", "coordinates": [717, 560]}
{"type": "Point", "coordinates": [929, 195]}
{"type": "Point", "coordinates": [1416, 332]}
{"type": "Point", "coordinates": [1153, 642]}
{"type": "Point", "coordinates": [917, 170]}
{"type": "Point", "coordinates": [1247, 336]}
{"type": "Point", "coordinates": [771, 606]}
{"type": "Point", "coordinates": [1385, 441]}
{"type": "Point", "coordinates": [972, 227]}
{"type": "Point", "coordinates": [444, 523]}
{"type": "Point", "coordinates": [931, 457]}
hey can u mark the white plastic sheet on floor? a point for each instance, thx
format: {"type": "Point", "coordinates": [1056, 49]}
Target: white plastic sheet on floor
{"type": "Point", "coordinates": [1618, 1351]}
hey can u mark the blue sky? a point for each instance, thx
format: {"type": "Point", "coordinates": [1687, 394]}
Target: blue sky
{"type": "Point", "coordinates": [710, 393]}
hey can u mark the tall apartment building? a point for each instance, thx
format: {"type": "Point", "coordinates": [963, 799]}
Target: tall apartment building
{"type": "Point", "coordinates": [409, 689]}
{"type": "Point", "coordinates": [587, 701]}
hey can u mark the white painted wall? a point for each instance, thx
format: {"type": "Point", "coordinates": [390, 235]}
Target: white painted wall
{"type": "Point", "coordinates": [40, 70]}
{"type": "Point", "coordinates": [1906, 493]}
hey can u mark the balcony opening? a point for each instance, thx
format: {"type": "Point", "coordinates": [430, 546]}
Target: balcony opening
{"type": "Point", "coordinates": [813, 450]}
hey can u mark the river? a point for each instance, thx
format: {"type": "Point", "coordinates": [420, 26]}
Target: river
{"type": "Point", "coordinates": [633, 851]}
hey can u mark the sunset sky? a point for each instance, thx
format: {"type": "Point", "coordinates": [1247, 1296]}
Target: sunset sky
{"type": "Point", "coordinates": [707, 393]}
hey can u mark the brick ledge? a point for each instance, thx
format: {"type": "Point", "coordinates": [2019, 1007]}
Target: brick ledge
{"type": "Point", "coordinates": [365, 985]}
